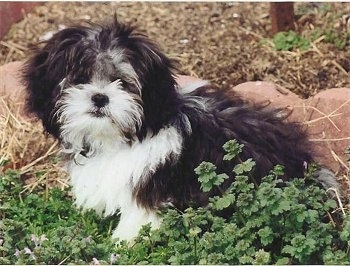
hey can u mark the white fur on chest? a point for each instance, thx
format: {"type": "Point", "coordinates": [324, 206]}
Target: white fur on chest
{"type": "Point", "coordinates": [105, 181]}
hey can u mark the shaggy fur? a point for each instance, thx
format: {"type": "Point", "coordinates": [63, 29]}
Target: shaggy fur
{"type": "Point", "coordinates": [132, 137]}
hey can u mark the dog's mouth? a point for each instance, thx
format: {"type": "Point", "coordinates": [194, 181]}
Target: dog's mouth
{"type": "Point", "coordinates": [98, 113]}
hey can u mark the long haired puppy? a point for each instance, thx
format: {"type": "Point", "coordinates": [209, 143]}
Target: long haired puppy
{"type": "Point", "coordinates": [132, 137]}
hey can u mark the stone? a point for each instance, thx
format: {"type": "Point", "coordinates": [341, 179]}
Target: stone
{"type": "Point", "coordinates": [259, 91]}
{"type": "Point", "coordinates": [11, 12]}
{"type": "Point", "coordinates": [325, 115]}
{"type": "Point", "coordinates": [11, 89]}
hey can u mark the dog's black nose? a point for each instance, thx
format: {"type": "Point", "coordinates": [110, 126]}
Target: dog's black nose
{"type": "Point", "coordinates": [100, 100]}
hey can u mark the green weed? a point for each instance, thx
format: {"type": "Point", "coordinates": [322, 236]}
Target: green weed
{"type": "Point", "coordinates": [334, 29]}
{"type": "Point", "coordinates": [287, 41]}
{"type": "Point", "coordinates": [270, 223]}
{"type": "Point", "coordinates": [36, 228]}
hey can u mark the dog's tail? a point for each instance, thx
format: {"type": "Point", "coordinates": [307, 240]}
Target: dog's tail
{"type": "Point", "coordinates": [327, 178]}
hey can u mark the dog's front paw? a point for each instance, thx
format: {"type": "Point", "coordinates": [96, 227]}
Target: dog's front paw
{"type": "Point", "coordinates": [131, 222]}
{"type": "Point", "coordinates": [125, 234]}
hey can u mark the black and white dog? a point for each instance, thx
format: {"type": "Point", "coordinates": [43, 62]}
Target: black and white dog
{"type": "Point", "coordinates": [132, 136]}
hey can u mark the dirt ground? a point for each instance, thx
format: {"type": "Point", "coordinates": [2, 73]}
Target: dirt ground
{"type": "Point", "coordinates": [226, 43]}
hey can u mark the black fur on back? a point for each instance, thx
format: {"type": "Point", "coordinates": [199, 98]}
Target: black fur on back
{"type": "Point", "coordinates": [267, 137]}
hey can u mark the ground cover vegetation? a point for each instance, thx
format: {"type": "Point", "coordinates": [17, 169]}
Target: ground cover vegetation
{"type": "Point", "coordinates": [272, 223]}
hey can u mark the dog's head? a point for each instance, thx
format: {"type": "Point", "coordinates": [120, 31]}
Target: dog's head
{"type": "Point", "coordinates": [98, 82]}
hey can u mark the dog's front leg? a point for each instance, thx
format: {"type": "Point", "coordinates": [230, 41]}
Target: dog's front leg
{"type": "Point", "coordinates": [132, 219]}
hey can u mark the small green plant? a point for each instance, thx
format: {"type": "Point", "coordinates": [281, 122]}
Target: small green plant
{"type": "Point", "coordinates": [334, 29]}
{"type": "Point", "coordinates": [287, 41]}
{"type": "Point", "coordinates": [273, 222]}
{"type": "Point", "coordinates": [40, 228]}
{"type": "Point", "coordinates": [339, 39]}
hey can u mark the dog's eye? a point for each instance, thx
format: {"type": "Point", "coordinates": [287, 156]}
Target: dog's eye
{"type": "Point", "coordinates": [79, 86]}
{"type": "Point", "coordinates": [123, 82]}
{"type": "Point", "coordinates": [119, 80]}
{"type": "Point", "coordinates": [80, 79]}
{"type": "Point", "coordinates": [115, 78]}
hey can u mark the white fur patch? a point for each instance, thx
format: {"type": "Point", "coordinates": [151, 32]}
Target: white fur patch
{"type": "Point", "coordinates": [131, 221]}
{"type": "Point", "coordinates": [105, 181]}
{"type": "Point", "coordinates": [79, 126]}
{"type": "Point", "coordinates": [188, 88]}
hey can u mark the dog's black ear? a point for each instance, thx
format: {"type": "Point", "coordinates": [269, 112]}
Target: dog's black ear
{"type": "Point", "coordinates": [43, 72]}
{"type": "Point", "coordinates": [156, 75]}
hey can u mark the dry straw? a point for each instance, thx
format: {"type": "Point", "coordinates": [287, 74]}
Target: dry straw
{"type": "Point", "coordinates": [25, 148]}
